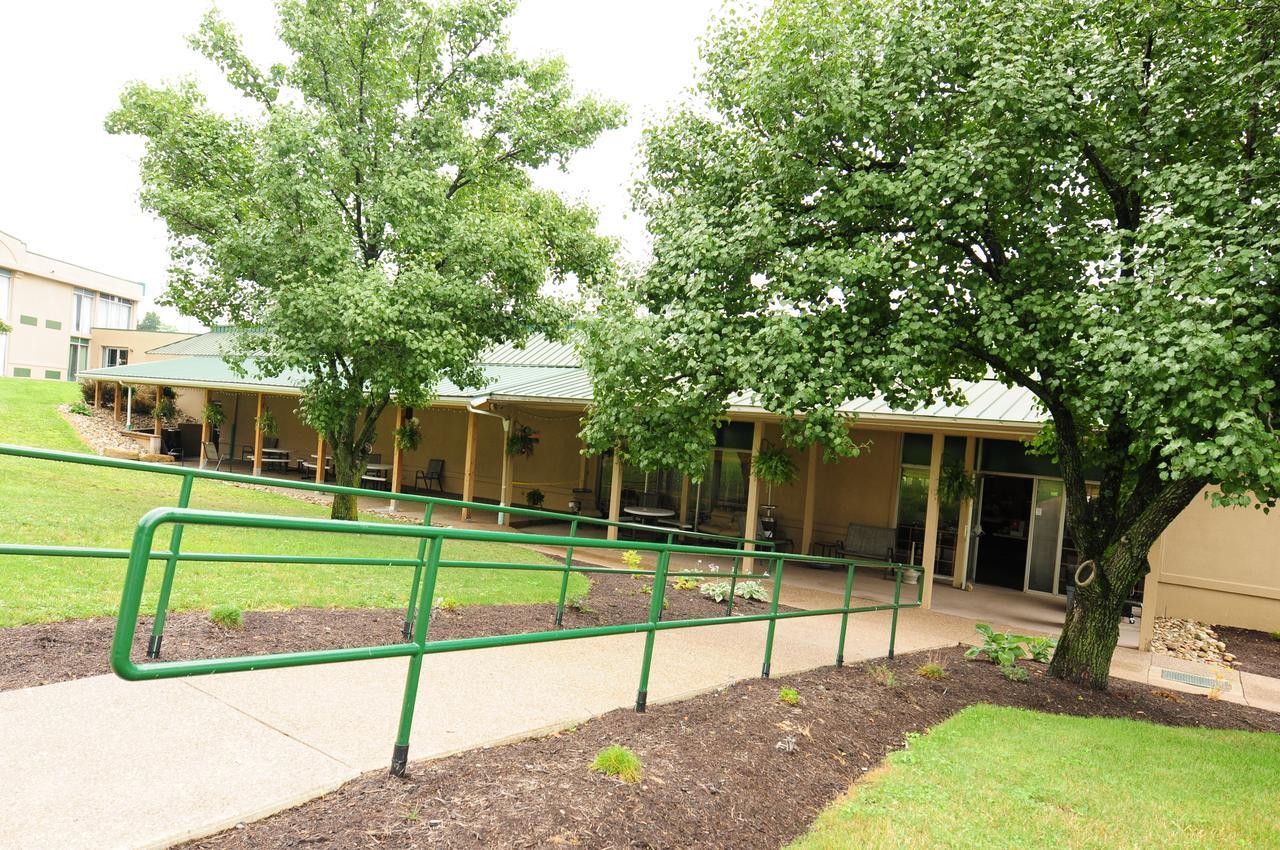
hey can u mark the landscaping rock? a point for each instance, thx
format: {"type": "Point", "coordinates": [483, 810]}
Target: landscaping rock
{"type": "Point", "coordinates": [1190, 641]}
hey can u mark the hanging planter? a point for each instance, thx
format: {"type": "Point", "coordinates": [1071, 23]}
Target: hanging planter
{"type": "Point", "coordinates": [267, 424]}
{"type": "Point", "coordinates": [409, 435]}
{"type": "Point", "coordinates": [773, 465]}
{"type": "Point", "coordinates": [166, 411]}
{"type": "Point", "coordinates": [214, 415]}
{"type": "Point", "coordinates": [955, 484]}
{"type": "Point", "coordinates": [522, 440]}
{"type": "Point", "coordinates": [534, 498]}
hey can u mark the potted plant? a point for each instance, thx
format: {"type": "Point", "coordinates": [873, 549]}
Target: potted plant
{"type": "Point", "coordinates": [409, 435]}
{"type": "Point", "coordinates": [522, 440]}
{"type": "Point", "coordinates": [534, 498]}
{"type": "Point", "coordinates": [955, 484]}
{"type": "Point", "coordinates": [165, 410]}
{"type": "Point", "coordinates": [214, 415]}
{"type": "Point", "coordinates": [267, 424]}
{"type": "Point", "coordinates": [772, 465]}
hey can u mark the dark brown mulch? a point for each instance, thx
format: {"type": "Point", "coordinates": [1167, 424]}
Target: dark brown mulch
{"type": "Point", "coordinates": [55, 652]}
{"type": "Point", "coordinates": [715, 775]}
{"type": "Point", "coordinates": [1255, 652]}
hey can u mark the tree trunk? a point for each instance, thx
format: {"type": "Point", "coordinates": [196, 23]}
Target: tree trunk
{"type": "Point", "coordinates": [348, 468]}
{"type": "Point", "coordinates": [1092, 628]}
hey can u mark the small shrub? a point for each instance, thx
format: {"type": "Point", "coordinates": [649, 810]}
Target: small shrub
{"type": "Point", "coordinates": [790, 696]}
{"type": "Point", "coordinates": [685, 583]}
{"type": "Point", "coordinates": [449, 604]}
{"type": "Point", "coordinates": [1275, 635]}
{"type": "Point", "coordinates": [579, 604]}
{"type": "Point", "coordinates": [631, 559]}
{"type": "Point", "coordinates": [933, 670]}
{"type": "Point", "coordinates": [1014, 673]}
{"type": "Point", "coordinates": [534, 498]}
{"type": "Point", "coordinates": [620, 763]}
{"type": "Point", "coordinates": [166, 410]}
{"type": "Point", "coordinates": [227, 616]}
{"type": "Point", "coordinates": [882, 675]}
{"type": "Point", "coordinates": [1041, 649]}
{"type": "Point", "coordinates": [80, 408]}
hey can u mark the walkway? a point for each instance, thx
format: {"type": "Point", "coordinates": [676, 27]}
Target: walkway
{"type": "Point", "coordinates": [103, 763]}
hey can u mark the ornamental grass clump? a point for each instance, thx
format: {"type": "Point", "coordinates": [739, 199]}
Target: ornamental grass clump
{"type": "Point", "coordinates": [620, 763]}
{"type": "Point", "coordinates": [227, 616]}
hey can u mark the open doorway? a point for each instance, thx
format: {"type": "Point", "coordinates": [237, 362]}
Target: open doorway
{"type": "Point", "coordinates": [1004, 520]}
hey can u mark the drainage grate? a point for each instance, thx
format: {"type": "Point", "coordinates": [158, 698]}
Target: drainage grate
{"type": "Point", "coordinates": [1193, 679]}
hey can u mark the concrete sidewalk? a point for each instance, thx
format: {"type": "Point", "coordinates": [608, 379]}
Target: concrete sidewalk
{"type": "Point", "coordinates": [103, 763]}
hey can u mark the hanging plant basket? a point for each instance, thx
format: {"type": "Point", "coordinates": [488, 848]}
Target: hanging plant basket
{"type": "Point", "coordinates": [267, 424]}
{"type": "Point", "coordinates": [522, 440]}
{"type": "Point", "coordinates": [409, 435]}
{"type": "Point", "coordinates": [954, 484]}
{"type": "Point", "coordinates": [214, 415]}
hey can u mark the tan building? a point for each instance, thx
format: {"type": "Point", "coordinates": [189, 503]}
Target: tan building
{"type": "Point", "coordinates": [1008, 536]}
{"type": "Point", "coordinates": [55, 309]}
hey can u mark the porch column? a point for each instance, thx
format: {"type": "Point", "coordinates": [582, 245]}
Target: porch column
{"type": "Point", "coordinates": [257, 435]}
{"type": "Point", "coordinates": [1150, 595]}
{"type": "Point", "coordinates": [810, 491]}
{"type": "Point", "coordinates": [97, 394]}
{"type": "Point", "coordinates": [205, 430]}
{"type": "Point", "coordinates": [395, 459]}
{"type": "Point", "coordinates": [320, 465]}
{"type": "Point", "coordinates": [155, 414]}
{"type": "Point", "coordinates": [504, 499]}
{"type": "Point", "coordinates": [684, 499]}
{"type": "Point", "coordinates": [753, 499]}
{"type": "Point", "coordinates": [931, 521]}
{"type": "Point", "coordinates": [615, 495]}
{"type": "Point", "coordinates": [469, 466]}
{"type": "Point", "coordinates": [116, 401]}
{"type": "Point", "coordinates": [959, 571]}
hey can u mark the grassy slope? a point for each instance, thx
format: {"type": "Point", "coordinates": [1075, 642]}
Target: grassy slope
{"type": "Point", "coordinates": [64, 504]}
{"type": "Point", "coordinates": [1008, 778]}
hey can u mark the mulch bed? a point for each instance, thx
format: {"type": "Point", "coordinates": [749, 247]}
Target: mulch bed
{"type": "Point", "coordinates": [730, 769]}
{"type": "Point", "coordinates": [55, 652]}
{"type": "Point", "coordinates": [1255, 652]}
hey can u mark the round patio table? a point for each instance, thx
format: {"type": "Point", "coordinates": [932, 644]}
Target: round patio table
{"type": "Point", "coordinates": [649, 513]}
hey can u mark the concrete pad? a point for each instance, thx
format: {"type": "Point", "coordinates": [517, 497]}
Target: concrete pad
{"type": "Point", "coordinates": [1260, 691]}
{"type": "Point", "coordinates": [104, 763]}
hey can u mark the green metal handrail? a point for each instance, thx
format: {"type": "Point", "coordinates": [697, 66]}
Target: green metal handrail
{"type": "Point", "coordinates": [189, 474]}
{"type": "Point", "coordinates": [141, 553]}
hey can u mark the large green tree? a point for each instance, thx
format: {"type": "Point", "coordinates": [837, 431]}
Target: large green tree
{"type": "Point", "coordinates": [370, 213]}
{"type": "Point", "coordinates": [1077, 196]}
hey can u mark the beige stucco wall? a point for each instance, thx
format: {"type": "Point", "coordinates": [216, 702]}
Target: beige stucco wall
{"type": "Point", "coordinates": [1221, 566]}
{"type": "Point", "coordinates": [137, 342]}
{"type": "Point", "coordinates": [39, 348]}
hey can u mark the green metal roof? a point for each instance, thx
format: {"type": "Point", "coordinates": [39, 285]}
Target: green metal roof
{"type": "Point", "coordinates": [546, 372]}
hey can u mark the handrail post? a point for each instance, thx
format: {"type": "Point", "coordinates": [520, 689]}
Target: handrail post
{"type": "Point", "coordinates": [733, 586]}
{"type": "Point", "coordinates": [655, 614]}
{"type": "Point", "coordinates": [407, 630]}
{"type": "Point", "coordinates": [773, 618]}
{"type": "Point", "coordinates": [897, 600]}
{"type": "Point", "coordinates": [564, 580]}
{"type": "Point", "coordinates": [400, 753]}
{"type": "Point", "coordinates": [170, 568]}
{"type": "Point", "coordinates": [844, 618]}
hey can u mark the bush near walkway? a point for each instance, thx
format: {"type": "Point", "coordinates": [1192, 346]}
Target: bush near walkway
{"type": "Point", "coordinates": [63, 504]}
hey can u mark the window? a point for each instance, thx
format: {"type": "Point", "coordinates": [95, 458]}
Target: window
{"type": "Point", "coordinates": [81, 311]}
{"type": "Point", "coordinates": [78, 357]}
{"type": "Point", "coordinates": [115, 356]}
{"type": "Point", "coordinates": [115, 312]}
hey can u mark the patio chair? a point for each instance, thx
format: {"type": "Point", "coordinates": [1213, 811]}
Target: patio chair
{"type": "Point", "coordinates": [211, 453]}
{"type": "Point", "coordinates": [433, 472]}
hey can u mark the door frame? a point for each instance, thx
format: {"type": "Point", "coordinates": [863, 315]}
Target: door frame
{"type": "Point", "coordinates": [1031, 535]}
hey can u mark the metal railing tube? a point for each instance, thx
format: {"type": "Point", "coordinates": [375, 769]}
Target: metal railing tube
{"type": "Point", "coordinates": [400, 753]}
{"type": "Point", "coordinates": [406, 631]}
{"type": "Point", "coordinates": [773, 620]}
{"type": "Point", "coordinates": [655, 614]}
{"type": "Point", "coordinates": [170, 567]}
{"type": "Point", "coordinates": [897, 599]}
{"type": "Point", "coordinates": [844, 618]}
{"type": "Point", "coordinates": [564, 580]}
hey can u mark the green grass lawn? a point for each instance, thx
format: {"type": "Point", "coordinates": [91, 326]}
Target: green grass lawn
{"type": "Point", "coordinates": [1008, 778]}
{"type": "Point", "coordinates": [66, 504]}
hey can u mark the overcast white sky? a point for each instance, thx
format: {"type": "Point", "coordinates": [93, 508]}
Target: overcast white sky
{"type": "Point", "coordinates": [70, 191]}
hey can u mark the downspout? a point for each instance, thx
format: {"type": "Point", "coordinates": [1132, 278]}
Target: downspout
{"type": "Point", "coordinates": [506, 460]}
{"type": "Point", "coordinates": [128, 410]}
